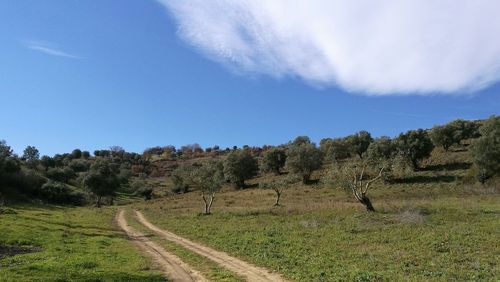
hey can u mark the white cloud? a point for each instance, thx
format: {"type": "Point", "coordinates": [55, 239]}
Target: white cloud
{"type": "Point", "coordinates": [376, 47]}
{"type": "Point", "coordinates": [49, 49]}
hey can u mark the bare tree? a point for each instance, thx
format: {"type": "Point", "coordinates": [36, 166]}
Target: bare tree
{"type": "Point", "coordinates": [278, 186]}
{"type": "Point", "coordinates": [353, 178]}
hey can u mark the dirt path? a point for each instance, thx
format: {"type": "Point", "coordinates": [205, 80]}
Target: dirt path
{"type": "Point", "coordinates": [241, 268]}
{"type": "Point", "coordinates": [171, 265]}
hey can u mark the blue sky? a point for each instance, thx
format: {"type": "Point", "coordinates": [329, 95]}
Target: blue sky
{"type": "Point", "coordinates": [92, 74]}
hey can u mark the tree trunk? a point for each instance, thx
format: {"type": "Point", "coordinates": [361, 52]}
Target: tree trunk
{"type": "Point", "coordinates": [367, 203]}
{"type": "Point", "coordinates": [206, 204]}
{"type": "Point", "coordinates": [278, 196]}
{"type": "Point", "coordinates": [98, 202]}
{"type": "Point", "coordinates": [211, 203]}
{"type": "Point", "coordinates": [305, 179]}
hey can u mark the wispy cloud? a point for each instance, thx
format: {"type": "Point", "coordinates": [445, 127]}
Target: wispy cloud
{"type": "Point", "coordinates": [375, 47]}
{"type": "Point", "coordinates": [49, 49]}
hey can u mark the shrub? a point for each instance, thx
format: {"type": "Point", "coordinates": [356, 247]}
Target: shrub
{"type": "Point", "coordinates": [59, 193]}
{"type": "Point", "coordinates": [486, 150]}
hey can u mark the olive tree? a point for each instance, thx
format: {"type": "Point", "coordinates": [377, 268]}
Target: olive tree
{"type": "Point", "coordinates": [239, 166]}
{"type": "Point", "coordinates": [359, 142]}
{"type": "Point", "coordinates": [357, 178]}
{"type": "Point", "coordinates": [336, 149]}
{"type": "Point", "coordinates": [101, 180]}
{"type": "Point", "coordinates": [415, 145]}
{"type": "Point", "coordinates": [274, 160]}
{"type": "Point", "coordinates": [486, 149]}
{"type": "Point", "coordinates": [381, 149]}
{"type": "Point", "coordinates": [208, 178]}
{"type": "Point", "coordinates": [443, 135]}
{"type": "Point", "coordinates": [303, 158]}
{"type": "Point", "coordinates": [278, 186]}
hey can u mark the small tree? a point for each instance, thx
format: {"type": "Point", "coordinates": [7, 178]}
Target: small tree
{"type": "Point", "coordinates": [31, 155]}
{"type": "Point", "coordinates": [359, 142]}
{"type": "Point", "coordinates": [415, 145]}
{"type": "Point", "coordinates": [209, 178]}
{"type": "Point", "coordinates": [353, 178]}
{"type": "Point", "coordinates": [274, 160]}
{"type": "Point", "coordinates": [303, 158]}
{"type": "Point", "coordinates": [101, 180]}
{"type": "Point", "coordinates": [443, 136]}
{"type": "Point", "coordinates": [239, 166]}
{"type": "Point", "coordinates": [278, 186]}
{"type": "Point", "coordinates": [486, 149]}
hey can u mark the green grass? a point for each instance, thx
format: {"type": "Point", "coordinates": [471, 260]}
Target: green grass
{"type": "Point", "coordinates": [429, 226]}
{"type": "Point", "coordinates": [208, 268]}
{"type": "Point", "coordinates": [74, 244]}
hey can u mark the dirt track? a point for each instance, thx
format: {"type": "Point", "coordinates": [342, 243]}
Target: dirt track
{"type": "Point", "coordinates": [172, 266]}
{"type": "Point", "coordinates": [248, 271]}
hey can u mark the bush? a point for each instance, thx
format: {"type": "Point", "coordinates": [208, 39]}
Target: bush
{"type": "Point", "coordinates": [60, 174]}
{"type": "Point", "coordinates": [59, 193]}
{"type": "Point", "coordinates": [79, 165]}
{"type": "Point", "coordinates": [486, 150]}
{"type": "Point", "coordinates": [145, 192]}
{"type": "Point", "coordinates": [181, 179]}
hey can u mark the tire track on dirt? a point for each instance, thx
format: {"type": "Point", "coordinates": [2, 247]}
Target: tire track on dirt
{"type": "Point", "coordinates": [244, 269]}
{"type": "Point", "coordinates": [171, 265]}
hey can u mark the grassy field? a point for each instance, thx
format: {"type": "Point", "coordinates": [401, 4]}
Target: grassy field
{"type": "Point", "coordinates": [428, 227]}
{"type": "Point", "coordinates": [68, 244]}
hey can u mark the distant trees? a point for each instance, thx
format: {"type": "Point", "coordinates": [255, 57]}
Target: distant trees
{"type": "Point", "coordinates": [274, 160]}
{"type": "Point", "coordinates": [76, 154]}
{"type": "Point", "coordinates": [359, 142]}
{"type": "Point", "coordinates": [382, 148]}
{"type": "Point", "coordinates": [47, 162]}
{"type": "Point", "coordinates": [486, 150]}
{"type": "Point", "coordinates": [415, 145]}
{"type": "Point", "coordinates": [335, 149]}
{"type": "Point", "coordinates": [101, 180]}
{"type": "Point", "coordinates": [208, 177]}
{"type": "Point", "coordinates": [85, 155]}
{"type": "Point", "coordinates": [239, 166]}
{"type": "Point", "coordinates": [454, 132]}
{"type": "Point", "coordinates": [31, 155]}
{"type": "Point", "coordinates": [303, 158]}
